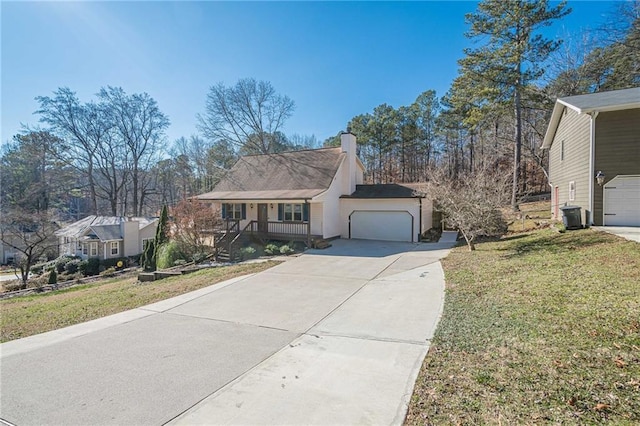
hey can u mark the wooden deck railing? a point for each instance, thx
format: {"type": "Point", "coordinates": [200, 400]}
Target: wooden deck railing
{"type": "Point", "coordinates": [297, 230]}
{"type": "Point", "coordinates": [293, 231]}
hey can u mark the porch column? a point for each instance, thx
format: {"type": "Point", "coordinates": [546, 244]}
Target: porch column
{"type": "Point", "coordinates": [308, 206]}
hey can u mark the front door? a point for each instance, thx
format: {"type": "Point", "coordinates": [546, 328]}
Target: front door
{"type": "Point", "coordinates": [262, 217]}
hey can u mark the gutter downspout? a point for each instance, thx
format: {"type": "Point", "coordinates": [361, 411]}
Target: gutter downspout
{"type": "Point", "coordinates": [419, 219]}
{"type": "Point", "coordinates": [592, 151]}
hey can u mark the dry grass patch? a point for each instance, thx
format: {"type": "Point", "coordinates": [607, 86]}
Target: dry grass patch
{"type": "Point", "coordinates": [531, 216]}
{"type": "Point", "coordinates": [537, 328]}
{"type": "Point", "coordinates": [26, 316]}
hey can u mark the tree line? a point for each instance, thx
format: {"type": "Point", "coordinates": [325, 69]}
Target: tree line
{"type": "Point", "coordinates": [109, 155]}
{"type": "Point", "coordinates": [497, 108]}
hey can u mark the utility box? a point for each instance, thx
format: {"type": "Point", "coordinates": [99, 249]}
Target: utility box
{"type": "Point", "coordinates": [571, 217]}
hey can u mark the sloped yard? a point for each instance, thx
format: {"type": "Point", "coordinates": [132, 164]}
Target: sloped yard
{"type": "Point", "coordinates": [537, 328]}
{"type": "Point", "coordinates": [26, 316]}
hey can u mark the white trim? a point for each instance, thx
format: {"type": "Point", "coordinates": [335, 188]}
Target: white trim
{"type": "Point", "coordinates": [572, 190]}
{"type": "Point", "coordinates": [592, 156]}
{"type": "Point", "coordinates": [93, 244]}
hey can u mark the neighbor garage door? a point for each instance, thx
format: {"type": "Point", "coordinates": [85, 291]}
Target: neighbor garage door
{"type": "Point", "coordinates": [622, 201]}
{"type": "Point", "coordinates": [382, 225]}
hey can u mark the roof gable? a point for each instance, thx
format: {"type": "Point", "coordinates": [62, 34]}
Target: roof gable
{"type": "Point", "coordinates": [298, 173]}
{"type": "Point", "coordinates": [107, 232]}
{"type": "Point", "coordinates": [614, 100]}
{"type": "Point", "coordinates": [81, 227]}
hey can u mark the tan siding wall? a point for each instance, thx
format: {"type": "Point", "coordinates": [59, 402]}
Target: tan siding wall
{"type": "Point", "coordinates": [574, 130]}
{"type": "Point", "coordinates": [617, 149]}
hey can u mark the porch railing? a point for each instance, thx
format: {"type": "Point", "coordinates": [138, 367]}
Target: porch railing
{"type": "Point", "coordinates": [297, 230]}
{"type": "Point", "coordinates": [231, 233]}
{"type": "Point", "coordinates": [228, 235]}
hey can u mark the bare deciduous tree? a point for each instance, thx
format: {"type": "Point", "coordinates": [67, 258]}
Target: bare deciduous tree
{"type": "Point", "coordinates": [472, 201]}
{"type": "Point", "coordinates": [31, 235]}
{"type": "Point", "coordinates": [140, 125]}
{"type": "Point", "coordinates": [249, 115]}
{"type": "Point", "coordinates": [193, 222]}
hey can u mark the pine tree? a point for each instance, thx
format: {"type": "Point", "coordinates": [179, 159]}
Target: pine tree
{"type": "Point", "coordinates": [511, 59]}
{"type": "Point", "coordinates": [150, 254]}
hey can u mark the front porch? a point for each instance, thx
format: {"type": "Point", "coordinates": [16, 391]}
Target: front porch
{"type": "Point", "coordinates": [231, 236]}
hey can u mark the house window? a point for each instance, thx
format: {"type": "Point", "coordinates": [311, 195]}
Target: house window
{"type": "Point", "coordinates": [78, 246]}
{"type": "Point", "coordinates": [115, 248]}
{"type": "Point", "coordinates": [293, 212]}
{"type": "Point", "coordinates": [562, 151]}
{"type": "Point", "coordinates": [235, 211]}
{"type": "Point", "coordinates": [572, 190]}
{"type": "Point", "coordinates": [93, 247]}
{"type": "Point", "coordinates": [85, 249]}
{"type": "Point", "coordinates": [145, 243]}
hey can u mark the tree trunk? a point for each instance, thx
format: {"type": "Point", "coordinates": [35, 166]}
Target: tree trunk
{"type": "Point", "coordinates": [92, 190]}
{"type": "Point", "coordinates": [469, 241]}
{"type": "Point", "coordinates": [517, 143]}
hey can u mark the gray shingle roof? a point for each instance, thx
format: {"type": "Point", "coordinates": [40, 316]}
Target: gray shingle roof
{"type": "Point", "coordinates": [290, 175]}
{"type": "Point", "coordinates": [604, 101]}
{"type": "Point", "coordinates": [107, 232]}
{"type": "Point", "coordinates": [388, 190]}
{"type": "Point", "coordinates": [79, 228]}
{"type": "Point", "coordinates": [614, 100]}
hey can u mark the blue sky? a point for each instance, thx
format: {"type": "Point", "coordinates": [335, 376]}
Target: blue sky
{"type": "Point", "coordinates": [334, 59]}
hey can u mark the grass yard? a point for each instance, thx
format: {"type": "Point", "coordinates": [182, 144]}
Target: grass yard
{"type": "Point", "coordinates": [531, 216]}
{"type": "Point", "coordinates": [540, 327]}
{"type": "Point", "coordinates": [29, 315]}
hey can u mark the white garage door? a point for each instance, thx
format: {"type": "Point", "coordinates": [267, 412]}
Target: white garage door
{"type": "Point", "coordinates": [622, 201]}
{"type": "Point", "coordinates": [382, 225]}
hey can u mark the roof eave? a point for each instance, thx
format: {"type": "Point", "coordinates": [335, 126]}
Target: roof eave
{"type": "Point", "coordinates": [554, 121]}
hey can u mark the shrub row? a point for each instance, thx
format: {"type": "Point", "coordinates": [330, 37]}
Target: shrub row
{"type": "Point", "coordinates": [71, 265]}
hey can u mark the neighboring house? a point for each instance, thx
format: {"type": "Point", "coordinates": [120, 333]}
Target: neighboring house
{"type": "Point", "coordinates": [107, 236]}
{"type": "Point", "coordinates": [8, 254]}
{"type": "Point", "coordinates": [318, 194]}
{"type": "Point", "coordinates": [594, 156]}
{"type": "Point", "coordinates": [15, 241]}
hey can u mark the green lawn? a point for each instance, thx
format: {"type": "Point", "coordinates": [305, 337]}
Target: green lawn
{"type": "Point", "coordinates": [26, 316]}
{"type": "Point", "coordinates": [537, 328]}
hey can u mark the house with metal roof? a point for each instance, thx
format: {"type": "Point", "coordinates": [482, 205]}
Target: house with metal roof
{"type": "Point", "coordinates": [594, 156]}
{"type": "Point", "coordinates": [106, 237]}
{"type": "Point", "coordinates": [317, 194]}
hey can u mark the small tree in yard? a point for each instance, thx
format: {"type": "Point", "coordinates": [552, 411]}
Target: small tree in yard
{"type": "Point", "coordinates": [150, 254]}
{"type": "Point", "coordinates": [471, 202]}
{"type": "Point", "coordinates": [31, 235]}
{"type": "Point", "coordinates": [193, 222]}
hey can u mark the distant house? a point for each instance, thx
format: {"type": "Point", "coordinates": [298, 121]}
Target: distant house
{"type": "Point", "coordinates": [318, 194]}
{"type": "Point", "coordinates": [107, 236]}
{"type": "Point", "coordinates": [594, 156]}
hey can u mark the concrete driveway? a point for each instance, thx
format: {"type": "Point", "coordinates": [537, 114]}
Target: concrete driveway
{"type": "Point", "coordinates": [335, 336]}
{"type": "Point", "coordinates": [631, 233]}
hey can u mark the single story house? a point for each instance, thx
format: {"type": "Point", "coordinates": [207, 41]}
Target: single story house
{"type": "Point", "coordinates": [107, 236]}
{"type": "Point", "coordinates": [318, 194]}
{"type": "Point", "coordinates": [594, 156]}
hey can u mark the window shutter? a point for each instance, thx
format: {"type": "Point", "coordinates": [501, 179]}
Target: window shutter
{"type": "Point", "coordinates": [280, 211]}
{"type": "Point", "coordinates": [244, 211]}
{"type": "Point", "coordinates": [224, 211]}
{"type": "Point", "coordinates": [305, 212]}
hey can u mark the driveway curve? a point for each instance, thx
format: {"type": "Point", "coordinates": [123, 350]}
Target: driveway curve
{"type": "Point", "coordinates": [334, 336]}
